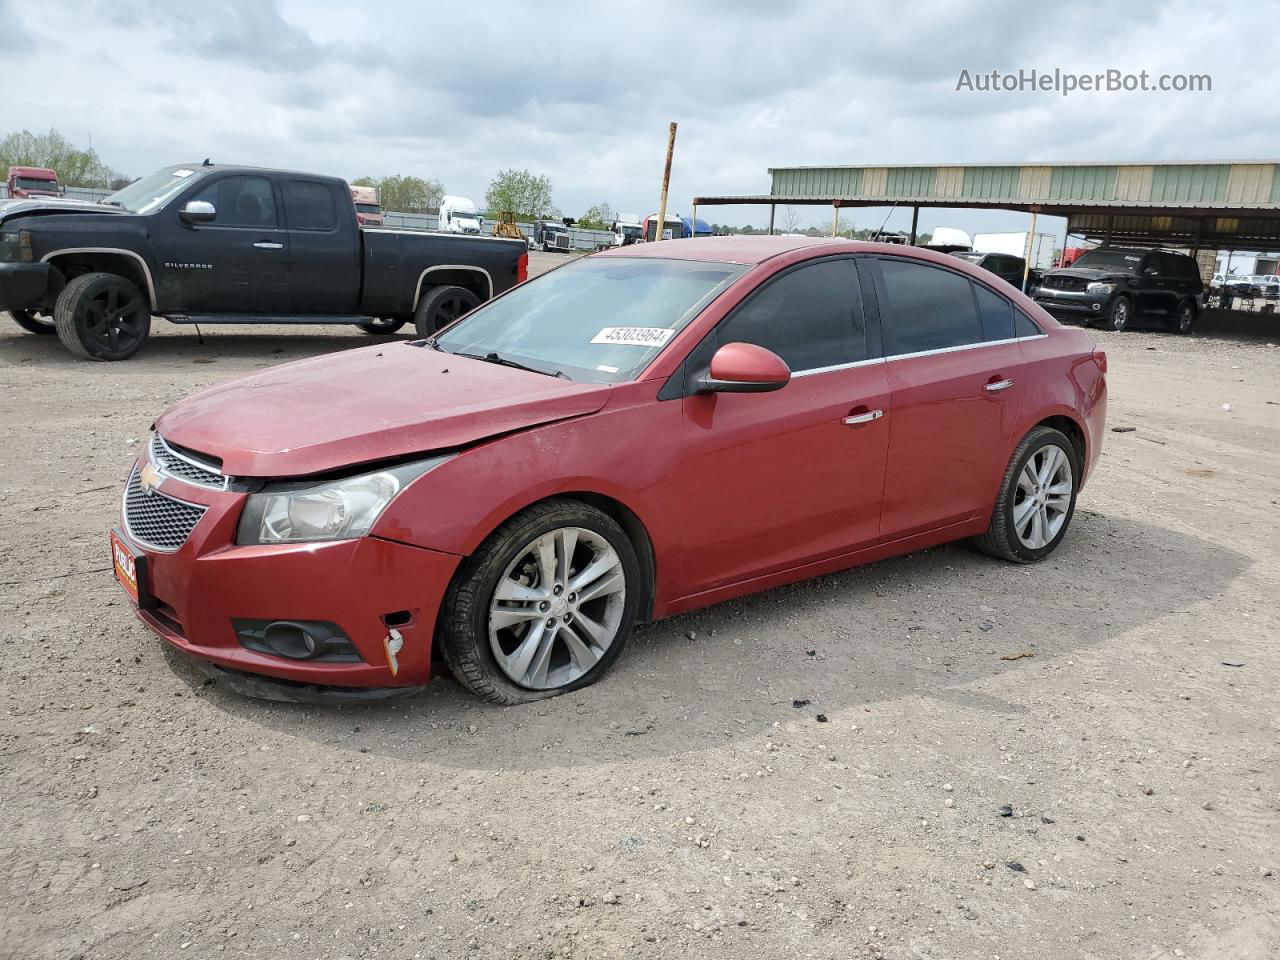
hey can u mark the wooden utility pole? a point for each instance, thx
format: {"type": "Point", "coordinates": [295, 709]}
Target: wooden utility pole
{"type": "Point", "coordinates": [666, 182]}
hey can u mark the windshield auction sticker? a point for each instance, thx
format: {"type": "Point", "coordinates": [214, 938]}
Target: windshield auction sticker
{"type": "Point", "coordinates": [634, 336]}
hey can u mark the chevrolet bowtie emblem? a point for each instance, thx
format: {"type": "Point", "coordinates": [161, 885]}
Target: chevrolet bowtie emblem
{"type": "Point", "coordinates": [150, 478]}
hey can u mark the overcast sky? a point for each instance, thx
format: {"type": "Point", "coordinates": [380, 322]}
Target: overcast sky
{"type": "Point", "coordinates": [458, 91]}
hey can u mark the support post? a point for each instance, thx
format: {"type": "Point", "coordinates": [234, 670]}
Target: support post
{"type": "Point", "coordinates": [693, 222]}
{"type": "Point", "coordinates": [835, 220]}
{"type": "Point", "coordinates": [666, 182]}
{"type": "Point", "coordinates": [915, 220]}
{"type": "Point", "coordinates": [773, 207]}
{"type": "Point", "coordinates": [1030, 249]}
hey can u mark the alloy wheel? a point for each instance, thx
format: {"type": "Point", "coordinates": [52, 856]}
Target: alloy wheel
{"type": "Point", "coordinates": [557, 608]}
{"type": "Point", "coordinates": [1043, 497]}
{"type": "Point", "coordinates": [116, 320]}
{"type": "Point", "coordinates": [1120, 315]}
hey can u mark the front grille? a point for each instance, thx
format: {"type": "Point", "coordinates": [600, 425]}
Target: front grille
{"type": "Point", "coordinates": [185, 465]}
{"type": "Point", "coordinates": [157, 521]}
{"type": "Point", "coordinates": [1075, 284]}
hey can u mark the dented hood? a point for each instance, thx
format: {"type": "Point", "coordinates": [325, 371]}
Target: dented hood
{"type": "Point", "coordinates": [43, 206]}
{"type": "Point", "coordinates": [336, 411]}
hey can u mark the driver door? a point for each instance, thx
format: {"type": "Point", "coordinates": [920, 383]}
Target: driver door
{"type": "Point", "coordinates": [770, 481]}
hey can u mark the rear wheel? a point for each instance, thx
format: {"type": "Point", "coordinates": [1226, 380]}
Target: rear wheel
{"type": "Point", "coordinates": [101, 316]}
{"type": "Point", "coordinates": [440, 306]}
{"type": "Point", "coordinates": [33, 321]}
{"type": "Point", "coordinates": [383, 325]}
{"type": "Point", "coordinates": [1036, 500]}
{"type": "Point", "coordinates": [544, 606]}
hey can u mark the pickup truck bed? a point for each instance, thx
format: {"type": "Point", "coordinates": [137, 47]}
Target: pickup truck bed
{"type": "Point", "coordinates": [212, 244]}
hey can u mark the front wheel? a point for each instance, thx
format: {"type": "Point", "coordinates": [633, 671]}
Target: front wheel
{"type": "Point", "coordinates": [544, 606]}
{"type": "Point", "coordinates": [1185, 318]}
{"type": "Point", "coordinates": [33, 321]}
{"type": "Point", "coordinates": [382, 325]}
{"type": "Point", "coordinates": [1121, 314]}
{"type": "Point", "coordinates": [1036, 500]}
{"type": "Point", "coordinates": [101, 316]}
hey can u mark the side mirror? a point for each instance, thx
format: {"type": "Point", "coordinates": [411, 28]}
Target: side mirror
{"type": "Point", "coordinates": [744, 368]}
{"type": "Point", "coordinates": [198, 211]}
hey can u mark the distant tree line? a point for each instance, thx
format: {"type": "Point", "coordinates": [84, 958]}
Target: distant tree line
{"type": "Point", "coordinates": [405, 194]}
{"type": "Point", "coordinates": [74, 167]}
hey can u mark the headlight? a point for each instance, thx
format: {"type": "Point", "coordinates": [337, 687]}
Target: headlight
{"type": "Point", "coordinates": [1101, 286]}
{"type": "Point", "coordinates": [338, 510]}
{"type": "Point", "coordinates": [15, 246]}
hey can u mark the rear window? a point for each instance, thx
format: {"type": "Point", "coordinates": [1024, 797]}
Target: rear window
{"type": "Point", "coordinates": [928, 308]}
{"type": "Point", "coordinates": [996, 313]}
{"type": "Point", "coordinates": [309, 205]}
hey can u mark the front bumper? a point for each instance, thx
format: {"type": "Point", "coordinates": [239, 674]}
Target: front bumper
{"type": "Point", "coordinates": [23, 285]}
{"type": "Point", "coordinates": [1070, 303]}
{"type": "Point", "coordinates": [197, 591]}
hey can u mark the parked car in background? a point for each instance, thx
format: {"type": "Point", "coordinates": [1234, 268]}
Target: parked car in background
{"type": "Point", "coordinates": [459, 215]}
{"type": "Point", "coordinates": [27, 182]}
{"type": "Point", "coordinates": [223, 244]}
{"type": "Point", "coordinates": [1008, 268]}
{"type": "Point", "coordinates": [1113, 286]}
{"type": "Point", "coordinates": [639, 433]}
{"type": "Point", "coordinates": [368, 209]}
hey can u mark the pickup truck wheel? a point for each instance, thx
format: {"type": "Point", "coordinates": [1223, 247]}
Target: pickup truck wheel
{"type": "Point", "coordinates": [33, 322]}
{"type": "Point", "coordinates": [440, 306]}
{"type": "Point", "coordinates": [100, 316]}
{"type": "Point", "coordinates": [383, 325]}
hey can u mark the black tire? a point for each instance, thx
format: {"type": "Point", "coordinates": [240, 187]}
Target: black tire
{"type": "Point", "coordinates": [1184, 319]}
{"type": "Point", "coordinates": [1001, 539]}
{"type": "Point", "coordinates": [1121, 314]}
{"type": "Point", "coordinates": [101, 316]}
{"type": "Point", "coordinates": [464, 616]}
{"type": "Point", "coordinates": [440, 306]}
{"type": "Point", "coordinates": [383, 325]}
{"type": "Point", "coordinates": [29, 322]}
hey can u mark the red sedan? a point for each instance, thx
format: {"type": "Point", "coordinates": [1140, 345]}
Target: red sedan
{"type": "Point", "coordinates": [635, 434]}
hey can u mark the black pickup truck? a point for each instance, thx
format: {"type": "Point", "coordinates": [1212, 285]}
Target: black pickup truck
{"type": "Point", "coordinates": [205, 243]}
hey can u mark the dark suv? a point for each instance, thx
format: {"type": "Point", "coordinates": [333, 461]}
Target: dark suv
{"type": "Point", "coordinates": [1112, 286]}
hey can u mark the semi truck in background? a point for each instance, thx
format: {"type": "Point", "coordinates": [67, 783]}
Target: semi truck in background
{"type": "Point", "coordinates": [1039, 253]}
{"type": "Point", "coordinates": [458, 215]}
{"type": "Point", "coordinates": [26, 182]}
{"type": "Point", "coordinates": [368, 209]}
{"type": "Point", "coordinates": [626, 230]}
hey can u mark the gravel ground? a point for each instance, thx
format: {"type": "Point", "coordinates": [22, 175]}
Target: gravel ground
{"type": "Point", "coordinates": [938, 756]}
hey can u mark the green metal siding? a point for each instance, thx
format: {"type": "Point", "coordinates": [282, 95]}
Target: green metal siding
{"type": "Point", "coordinates": [916, 183]}
{"type": "Point", "coordinates": [817, 182]}
{"type": "Point", "coordinates": [1192, 184]}
{"type": "Point", "coordinates": [1082, 183]}
{"type": "Point", "coordinates": [1275, 185]}
{"type": "Point", "coordinates": [990, 183]}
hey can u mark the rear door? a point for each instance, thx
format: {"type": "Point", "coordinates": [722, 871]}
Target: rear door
{"type": "Point", "coordinates": [324, 260]}
{"type": "Point", "coordinates": [769, 481]}
{"type": "Point", "coordinates": [954, 372]}
{"type": "Point", "coordinates": [239, 262]}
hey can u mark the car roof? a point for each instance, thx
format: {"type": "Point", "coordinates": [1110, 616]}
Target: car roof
{"type": "Point", "coordinates": [199, 167]}
{"type": "Point", "coordinates": [747, 249]}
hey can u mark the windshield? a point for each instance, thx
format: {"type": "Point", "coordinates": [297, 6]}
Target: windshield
{"type": "Point", "coordinates": [631, 230]}
{"type": "Point", "coordinates": [368, 208]}
{"type": "Point", "coordinates": [151, 192]}
{"type": "Point", "coordinates": [1126, 260]}
{"type": "Point", "coordinates": [465, 215]}
{"type": "Point", "coordinates": [32, 183]}
{"type": "Point", "coordinates": [599, 319]}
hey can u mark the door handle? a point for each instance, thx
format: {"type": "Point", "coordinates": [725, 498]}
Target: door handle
{"type": "Point", "coordinates": [269, 245]}
{"type": "Point", "coordinates": [861, 418]}
{"type": "Point", "coordinates": [997, 385]}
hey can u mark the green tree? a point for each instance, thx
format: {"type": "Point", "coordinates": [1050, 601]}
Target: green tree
{"type": "Point", "coordinates": [405, 194]}
{"type": "Point", "coordinates": [525, 195]}
{"type": "Point", "coordinates": [598, 217]}
{"type": "Point", "coordinates": [74, 167]}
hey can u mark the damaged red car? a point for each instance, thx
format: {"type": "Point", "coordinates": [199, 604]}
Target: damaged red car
{"type": "Point", "coordinates": [635, 434]}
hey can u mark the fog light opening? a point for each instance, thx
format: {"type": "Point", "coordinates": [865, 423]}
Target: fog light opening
{"type": "Point", "coordinates": [292, 640]}
{"type": "Point", "coordinates": [397, 619]}
{"type": "Point", "coordinates": [1097, 306]}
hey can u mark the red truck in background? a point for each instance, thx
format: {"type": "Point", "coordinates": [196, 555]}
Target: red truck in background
{"type": "Point", "coordinates": [368, 210]}
{"type": "Point", "coordinates": [33, 182]}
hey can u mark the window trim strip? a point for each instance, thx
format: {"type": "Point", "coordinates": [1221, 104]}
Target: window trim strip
{"type": "Point", "coordinates": [911, 356]}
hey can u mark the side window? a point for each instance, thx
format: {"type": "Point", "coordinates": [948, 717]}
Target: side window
{"type": "Point", "coordinates": [996, 313]}
{"type": "Point", "coordinates": [929, 308]}
{"type": "Point", "coordinates": [309, 205]}
{"type": "Point", "coordinates": [1024, 326]}
{"type": "Point", "coordinates": [810, 317]}
{"type": "Point", "coordinates": [240, 201]}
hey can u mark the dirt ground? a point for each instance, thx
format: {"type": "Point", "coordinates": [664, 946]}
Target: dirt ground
{"type": "Point", "coordinates": [695, 803]}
